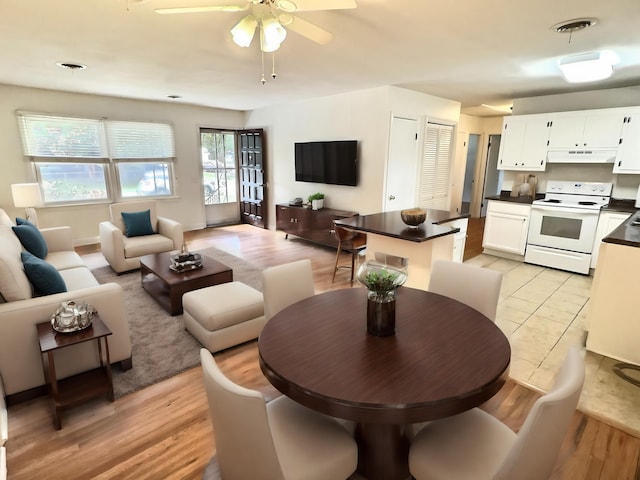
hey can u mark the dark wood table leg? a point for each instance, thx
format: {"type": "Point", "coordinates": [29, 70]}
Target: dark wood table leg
{"type": "Point", "coordinates": [383, 451]}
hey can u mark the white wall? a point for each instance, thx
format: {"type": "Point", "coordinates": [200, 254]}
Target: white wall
{"type": "Point", "coordinates": [362, 115]}
{"type": "Point", "coordinates": [84, 219]}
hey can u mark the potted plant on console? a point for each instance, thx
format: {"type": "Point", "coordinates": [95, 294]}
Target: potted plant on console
{"type": "Point", "coordinates": [316, 200]}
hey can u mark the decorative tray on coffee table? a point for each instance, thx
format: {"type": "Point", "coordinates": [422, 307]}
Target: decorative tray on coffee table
{"type": "Point", "coordinates": [184, 263]}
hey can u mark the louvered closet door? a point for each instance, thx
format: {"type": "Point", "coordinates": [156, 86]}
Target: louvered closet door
{"type": "Point", "coordinates": [253, 177]}
{"type": "Point", "coordinates": [436, 166]}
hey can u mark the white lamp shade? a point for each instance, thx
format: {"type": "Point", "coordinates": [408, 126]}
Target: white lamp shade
{"type": "Point", "coordinates": [272, 34]}
{"type": "Point", "coordinates": [587, 67]}
{"type": "Point", "coordinates": [26, 195]}
{"type": "Point", "coordinates": [243, 32]}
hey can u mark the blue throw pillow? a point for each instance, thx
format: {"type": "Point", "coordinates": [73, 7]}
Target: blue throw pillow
{"type": "Point", "coordinates": [46, 280]}
{"type": "Point", "coordinates": [137, 224]}
{"type": "Point", "coordinates": [31, 238]}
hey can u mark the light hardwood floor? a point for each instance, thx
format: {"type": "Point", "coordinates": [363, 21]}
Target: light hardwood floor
{"type": "Point", "coordinates": [163, 431]}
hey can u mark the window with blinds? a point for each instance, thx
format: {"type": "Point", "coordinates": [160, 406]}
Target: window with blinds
{"type": "Point", "coordinates": [436, 165]}
{"type": "Point", "coordinates": [80, 159]}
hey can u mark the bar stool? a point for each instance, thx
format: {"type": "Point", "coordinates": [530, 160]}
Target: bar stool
{"type": "Point", "coordinates": [351, 242]}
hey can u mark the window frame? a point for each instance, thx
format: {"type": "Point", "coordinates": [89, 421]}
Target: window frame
{"type": "Point", "coordinates": [105, 145]}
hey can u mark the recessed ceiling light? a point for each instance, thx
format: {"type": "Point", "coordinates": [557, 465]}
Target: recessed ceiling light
{"type": "Point", "coordinates": [71, 66]}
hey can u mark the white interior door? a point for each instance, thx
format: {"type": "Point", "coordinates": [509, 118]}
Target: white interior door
{"type": "Point", "coordinates": [402, 165]}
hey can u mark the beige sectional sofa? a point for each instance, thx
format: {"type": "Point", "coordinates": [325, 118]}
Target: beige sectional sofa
{"type": "Point", "coordinates": [20, 359]}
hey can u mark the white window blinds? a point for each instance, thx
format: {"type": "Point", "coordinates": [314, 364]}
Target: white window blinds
{"type": "Point", "coordinates": [50, 137]}
{"type": "Point", "coordinates": [136, 140]}
{"type": "Point", "coordinates": [436, 164]}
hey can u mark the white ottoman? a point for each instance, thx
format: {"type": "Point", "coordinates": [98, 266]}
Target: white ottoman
{"type": "Point", "coordinates": [224, 315]}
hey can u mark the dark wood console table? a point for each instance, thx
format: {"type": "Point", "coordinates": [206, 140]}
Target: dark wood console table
{"type": "Point", "coordinates": [313, 225]}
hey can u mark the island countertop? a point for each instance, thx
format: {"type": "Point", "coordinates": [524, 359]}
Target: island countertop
{"type": "Point", "coordinates": [390, 224]}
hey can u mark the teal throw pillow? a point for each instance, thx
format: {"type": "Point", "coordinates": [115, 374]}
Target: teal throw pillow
{"type": "Point", "coordinates": [46, 280]}
{"type": "Point", "coordinates": [31, 238]}
{"type": "Point", "coordinates": [137, 224]}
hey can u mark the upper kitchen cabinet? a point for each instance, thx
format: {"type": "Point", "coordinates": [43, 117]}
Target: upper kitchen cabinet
{"type": "Point", "coordinates": [586, 130]}
{"type": "Point", "coordinates": [628, 160]}
{"type": "Point", "coordinates": [524, 143]}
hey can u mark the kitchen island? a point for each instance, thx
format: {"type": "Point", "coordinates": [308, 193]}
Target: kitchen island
{"type": "Point", "coordinates": [612, 321]}
{"type": "Point", "coordinates": [387, 233]}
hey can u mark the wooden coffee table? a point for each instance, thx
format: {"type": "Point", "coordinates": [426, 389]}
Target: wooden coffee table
{"type": "Point", "coordinates": [167, 286]}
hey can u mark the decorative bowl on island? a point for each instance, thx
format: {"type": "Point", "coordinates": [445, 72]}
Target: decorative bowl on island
{"type": "Point", "coordinates": [413, 216]}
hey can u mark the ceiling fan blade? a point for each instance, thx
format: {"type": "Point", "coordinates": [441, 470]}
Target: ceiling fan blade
{"type": "Point", "coordinates": [211, 8]}
{"type": "Point", "coordinates": [309, 5]}
{"type": "Point", "coordinates": [306, 29]}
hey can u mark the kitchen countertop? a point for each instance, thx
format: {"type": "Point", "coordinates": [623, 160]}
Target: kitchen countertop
{"type": "Point", "coordinates": [627, 233]}
{"type": "Point", "coordinates": [390, 224]}
{"type": "Point", "coordinates": [505, 196]}
{"type": "Point", "coordinates": [621, 205]}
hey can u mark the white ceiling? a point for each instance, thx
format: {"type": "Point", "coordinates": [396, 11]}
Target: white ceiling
{"type": "Point", "coordinates": [470, 51]}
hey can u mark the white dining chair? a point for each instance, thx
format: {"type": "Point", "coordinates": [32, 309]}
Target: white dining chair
{"type": "Point", "coordinates": [476, 446]}
{"type": "Point", "coordinates": [474, 286]}
{"type": "Point", "coordinates": [286, 284]}
{"type": "Point", "coordinates": [278, 440]}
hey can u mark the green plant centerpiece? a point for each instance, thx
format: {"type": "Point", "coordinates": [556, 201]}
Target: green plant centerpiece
{"type": "Point", "coordinates": [316, 200]}
{"type": "Point", "coordinates": [316, 196]}
{"type": "Point", "coordinates": [382, 281]}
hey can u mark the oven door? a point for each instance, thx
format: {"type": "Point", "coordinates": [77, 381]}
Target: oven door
{"type": "Point", "coordinates": [572, 229]}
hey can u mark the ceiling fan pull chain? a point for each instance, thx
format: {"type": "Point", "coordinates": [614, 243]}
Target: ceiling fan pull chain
{"type": "Point", "coordinates": [273, 66]}
{"type": "Point", "coordinates": [262, 79]}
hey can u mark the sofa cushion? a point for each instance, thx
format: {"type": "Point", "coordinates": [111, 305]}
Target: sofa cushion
{"type": "Point", "coordinates": [77, 278]}
{"type": "Point", "coordinates": [64, 259]}
{"type": "Point", "coordinates": [138, 246]}
{"type": "Point", "coordinates": [137, 224]}
{"type": "Point", "coordinates": [46, 280]}
{"type": "Point", "coordinates": [14, 284]}
{"type": "Point", "coordinates": [5, 219]}
{"type": "Point", "coordinates": [31, 238]}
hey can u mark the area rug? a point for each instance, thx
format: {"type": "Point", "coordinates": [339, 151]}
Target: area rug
{"type": "Point", "coordinates": [161, 347]}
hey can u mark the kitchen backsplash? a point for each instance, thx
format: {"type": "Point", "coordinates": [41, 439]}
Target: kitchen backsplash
{"type": "Point", "coordinates": [624, 186]}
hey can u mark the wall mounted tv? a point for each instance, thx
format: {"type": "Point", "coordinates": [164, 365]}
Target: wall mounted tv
{"type": "Point", "coordinates": [332, 162]}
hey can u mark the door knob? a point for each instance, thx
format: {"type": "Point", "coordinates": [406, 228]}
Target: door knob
{"type": "Point", "coordinates": [392, 197]}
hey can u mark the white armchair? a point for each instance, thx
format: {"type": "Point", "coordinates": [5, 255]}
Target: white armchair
{"type": "Point", "coordinates": [123, 252]}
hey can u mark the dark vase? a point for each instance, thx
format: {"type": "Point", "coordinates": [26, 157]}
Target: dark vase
{"type": "Point", "coordinates": [381, 313]}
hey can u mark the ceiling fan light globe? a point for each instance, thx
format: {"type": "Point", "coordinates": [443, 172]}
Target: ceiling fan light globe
{"type": "Point", "coordinates": [272, 30]}
{"type": "Point", "coordinates": [244, 31]}
{"type": "Point", "coordinates": [286, 5]}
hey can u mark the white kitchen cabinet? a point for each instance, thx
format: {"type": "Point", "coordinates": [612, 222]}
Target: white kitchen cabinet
{"type": "Point", "coordinates": [460, 238]}
{"type": "Point", "coordinates": [607, 223]}
{"type": "Point", "coordinates": [523, 145]}
{"type": "Point", "coordinates": [587, 129]}
{"type": "Point", "coordinates": [506, 227]}
{"type": "Point", "coordinates": [628, 160]}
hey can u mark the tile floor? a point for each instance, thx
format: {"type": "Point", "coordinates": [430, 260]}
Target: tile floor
{"type": "Point", "coordinates": [543, 311]}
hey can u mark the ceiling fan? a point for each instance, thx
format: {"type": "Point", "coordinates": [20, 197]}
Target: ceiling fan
{"type": "Point", "coordinates": [271, 16]}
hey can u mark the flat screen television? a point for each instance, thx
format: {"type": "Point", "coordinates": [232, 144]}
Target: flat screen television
{"type": "Point", "coordinates": [332, 162]}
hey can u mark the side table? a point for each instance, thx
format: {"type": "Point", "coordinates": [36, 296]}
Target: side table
{"type": "Point", "coordinates": [84, 386]}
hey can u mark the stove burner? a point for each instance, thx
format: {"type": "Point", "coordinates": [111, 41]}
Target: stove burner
{"type": "Point", "coordinates": [587, 203]}
{"type": "Point", "coordinates": [552, 200]}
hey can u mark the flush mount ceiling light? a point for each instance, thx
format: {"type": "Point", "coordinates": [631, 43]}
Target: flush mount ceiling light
{"type": "Point", "coordinates": [586, 67]}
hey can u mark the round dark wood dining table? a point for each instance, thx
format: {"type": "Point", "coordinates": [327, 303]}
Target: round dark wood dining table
{"type": "Point", "coordinates": [444, 358]}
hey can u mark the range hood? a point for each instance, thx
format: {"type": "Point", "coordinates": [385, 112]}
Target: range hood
{"type": "Point", "coordinates": [581, 156]}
